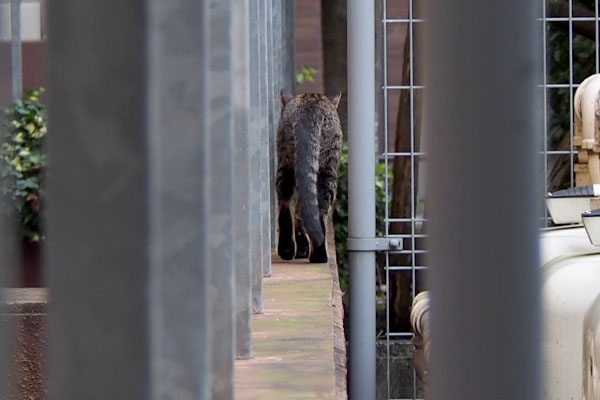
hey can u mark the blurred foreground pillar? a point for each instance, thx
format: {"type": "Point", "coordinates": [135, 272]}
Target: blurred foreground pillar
{"type": "Point", "coordinates": [482, 204]}
{"type": "Point", "coordinates": [140, 200]}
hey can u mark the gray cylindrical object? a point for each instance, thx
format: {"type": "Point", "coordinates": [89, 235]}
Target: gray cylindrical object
{"type": "Point", "coordinates": [362, 378]}
{"type": "Point", "coordinates": [140, 188]}
{"type": "Point", "coordinates": [274, 26]}
{"type": "Point", "coordinates": [242, 179]}
{"type": "Point", "coordinates": [482, 199]}
{"type": "Point", "coordinates": [289, 38]}
{"type": "Point", "coordinates": [361, 194]}
{"type": "Point", "coordinates": [255, 164]}
{"type": "Point", "coordinates": [220, 128]}
{"type": "Point", "coordinates": [16, 49]}
{"type": "Point", "coordinates": [265, 94]}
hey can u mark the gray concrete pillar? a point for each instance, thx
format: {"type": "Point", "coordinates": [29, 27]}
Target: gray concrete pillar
{"type": "Point", "coordinates": [140, 200]}
{"type": "Point", "coordinates": [220, 177]}
{"type": "Point", "coordinates": [242, 182]}
{"type": "Point", "coordinates": [254, 149]}
{"type": "Point", "coordinates": [16, 52]}
{"type": "Point", "coordinates": [482, 199]}
{"type": "Point", "coordinates": [97, 216]}
{"type": "Point", "coordinates": [8, 261]}
{"type": "Point", "coordinates": [274, 54]}
{"type": "Point", "coordinates": [265, 143]}
{"type": "Point", "coordinates": [289, 45]}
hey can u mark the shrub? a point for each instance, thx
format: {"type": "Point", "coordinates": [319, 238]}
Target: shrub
{"type": "Point", "coordinates": [23, 161]}
{"type": "Point", "coordinates": [306, 75]}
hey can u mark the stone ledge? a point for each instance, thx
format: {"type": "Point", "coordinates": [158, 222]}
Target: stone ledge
{"type": "Point", "coordinates": [24, 311]}
{"type": "Point", "coordinates": [298, 343]}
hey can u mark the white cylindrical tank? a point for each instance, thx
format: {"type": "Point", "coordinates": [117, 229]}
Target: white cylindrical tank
{"type": "Point", "coordinates": [564, 241]}
{"type": "Point", "coordinates": [571, 283]}
{"type": "Point", "coordinates": [591, 352]}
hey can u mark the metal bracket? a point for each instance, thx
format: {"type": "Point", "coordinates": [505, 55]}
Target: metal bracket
{"type": "Point", "coordinates": [373, 244]}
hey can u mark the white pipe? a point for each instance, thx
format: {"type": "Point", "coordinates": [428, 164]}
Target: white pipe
{"type": "Point", "coordinates": [419, 320]}
{"type": "Point", "coordinates": [577, 103]}
{"type": "Point", "coordinates": [585, 122]}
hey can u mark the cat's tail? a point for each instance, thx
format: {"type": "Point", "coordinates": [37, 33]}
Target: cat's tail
{"type": "Point", "coordinates": [307, 168]}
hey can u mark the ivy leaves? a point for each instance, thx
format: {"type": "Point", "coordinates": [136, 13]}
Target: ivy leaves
{"type": "Point", "coordinates": [23, 159]}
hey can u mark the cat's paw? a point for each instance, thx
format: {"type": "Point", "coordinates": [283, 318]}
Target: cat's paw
{"type": "Point", "coordinates": [286, 251]}
{"type": "Point", "coordinates": [318, 255]}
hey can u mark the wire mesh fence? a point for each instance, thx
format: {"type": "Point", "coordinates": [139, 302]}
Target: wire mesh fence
{"type": "Point", "coordinates": [401, 154]}
{"type": "Point", "coordinates": [569, 35]}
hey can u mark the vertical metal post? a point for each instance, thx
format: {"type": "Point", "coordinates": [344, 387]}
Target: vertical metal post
{"type": "Point", "coordinates": [8, 260]}
{"type": "Point", "coordinates": [361, 194]}
{"type": "Point", "coordinates": [97, 221]}
{"type": "Point", "coordinates": [220, 189]}
{"type": "Point", "coordinates": [16, 49]}
{"type": "Point", "coordinates": [482, 199]}
{"type": "Point", "coordinates": [274, 27]}
{"type": "Point", "coordinates": [242, 179]}
{"type": "Point", "coordinates": [140, 200]}
{"type": "Point", "coordinates": [6, 327]}
{"type": "Point", "coordinates": [180, 211]}
{"type": "Point", "coordinates": [265, 143]}
{"type": "Point", "coordinates": [254, 149]}
{"type": "Point", "coordinates": [278, 32]}
{"type": "Point", "coordinates": [289, 45]}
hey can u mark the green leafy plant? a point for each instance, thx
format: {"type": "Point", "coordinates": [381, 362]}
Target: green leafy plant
{"type": "Point", "coordinates": [306, 75]}
{"type": "Point", "coordinates": [340, 220]}
{"type": "Point", "coordinates": [23, 160]}
{"type": "Point", "coordinates": [340, 213]}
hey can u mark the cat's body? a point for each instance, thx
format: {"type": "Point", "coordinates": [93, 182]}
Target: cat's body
{"type": "Point", "coordinates": [309, 145]}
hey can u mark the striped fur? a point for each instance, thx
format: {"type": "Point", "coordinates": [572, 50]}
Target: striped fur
{"type": "Point", "coordinates": [309, 144]}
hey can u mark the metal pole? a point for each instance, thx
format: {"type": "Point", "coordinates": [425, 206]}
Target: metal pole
{"type": "Point", "coordinates": [220, 188]}
{"type": "Point", "coordinates": [254, 149]}
{"type": "Point", "coordinates": [179, 138]}
{"type": "Point", "coordinates": [274, 18]}
{"type": "Point", "coordinates": [97, 220]}
{"type": "Point", "coordinates": [482, 199]}
{"type": "Point", "coordinates": [242, 177]}
{"type": "Point", "coordinates": [140, 201]}
{"type": "Point", "coordinates": [8, 259]}
{"type": "Point", "coordinates": [361, 194]}
{"type": "Point", "coordinates": [16, 49]}
{"type": "Point", "coordinates": [265, 152]}
{"type": "Point", "coordinates": [289, 46]}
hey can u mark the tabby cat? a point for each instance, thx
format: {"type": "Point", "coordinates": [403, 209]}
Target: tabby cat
{"type": "Point", "coordinates": [309, 145]}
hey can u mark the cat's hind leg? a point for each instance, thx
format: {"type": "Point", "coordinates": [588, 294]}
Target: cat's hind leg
{"type": "Point", "coordinates": [319, 251]}
{"type": "Point", "coordinates": [286, 247]}
{"type": "Point", "coordinates": [326, 190]}
{"type": "Point", "coordinates": [302, 245]}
